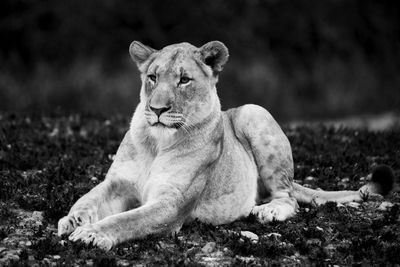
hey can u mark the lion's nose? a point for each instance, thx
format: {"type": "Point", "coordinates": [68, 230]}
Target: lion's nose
{"type": "Point", "coordinates": [159, 111]}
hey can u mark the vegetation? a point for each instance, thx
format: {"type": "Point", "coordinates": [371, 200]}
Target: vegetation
{"type": "Point", "coordinates": [302, 59]}
{"type": "Point", "coordinates": [48, 162]}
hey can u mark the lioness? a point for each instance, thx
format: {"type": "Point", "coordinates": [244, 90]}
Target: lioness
{"type": "Point", "coordinates": [184, 159]}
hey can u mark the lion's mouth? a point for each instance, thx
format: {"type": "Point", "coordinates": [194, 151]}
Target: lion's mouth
{"type": "Point", "coordinates": [159, 124]}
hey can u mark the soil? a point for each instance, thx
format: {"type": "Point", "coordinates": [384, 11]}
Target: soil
{"type": "Point", "coordinates": [48, 162]}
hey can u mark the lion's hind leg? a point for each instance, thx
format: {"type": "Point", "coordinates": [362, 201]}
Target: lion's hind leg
{"type": "Point", "coordinates": [272, 153]}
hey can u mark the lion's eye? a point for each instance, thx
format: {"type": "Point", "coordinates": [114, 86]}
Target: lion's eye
{"type": "Point", "coordinates": [152, 77]}
{"type": "Point", "coordinates": [184, 80]}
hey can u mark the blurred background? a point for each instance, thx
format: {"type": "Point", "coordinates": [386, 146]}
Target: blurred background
{"type": "Point", "coordinates": [302, 60]}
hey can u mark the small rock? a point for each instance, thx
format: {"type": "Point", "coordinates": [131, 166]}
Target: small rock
{"type": "Point", "coordinates": [345, 180]}
{"type": "Point", "coordinates": [309, 179]}
{"type": "Point", "coordinates": [47, 261]}
{"type": "Point", "coordinates": [319, 228]}
{"type": "Point", "coordinates": [63, 243]}
{"type": "Point", "coordinates": [37, 215]}
{"type": "Point", "coordinates": [56, 257]}
{"type": "Point", "coordinates": [123, 263]}
{"type": "Point", "coordinates": [250, 235]}
{"type": "Point", "coordinates": [274, 236]}
{"type": "Point", "coordinates": [385, 205]}
{"type": "Point", "coordinates": [330, 250]}
{"type": "Point", "coordinates": [307, 185]}
{"type": "Point", "coordinates": [209, 247]}
{"type": "Point", "coordinates": [192, 251]}
{"type": "Point", "coordinates": [94, 179]}
{"type": "Point", "coordinates": [162, 244]}
{"type": "Point", "coordinates": [28, 243]}
{"type": "Point", "coordinates": [89, 262]}
{"type": "Point", "coordinates": [246, 260]}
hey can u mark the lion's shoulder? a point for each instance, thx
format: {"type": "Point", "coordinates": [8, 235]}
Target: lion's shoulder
{"type": "Point", "coordinates": [250, 115]}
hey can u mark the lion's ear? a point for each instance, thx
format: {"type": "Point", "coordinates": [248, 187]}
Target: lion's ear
{"type": "Point", "coordinates": [140, 52]}
{"type": "Point", "coordinates": [214, 54]}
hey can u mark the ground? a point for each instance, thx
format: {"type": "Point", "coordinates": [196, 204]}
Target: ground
{"type": "Point", "coordinates": [48, 162]}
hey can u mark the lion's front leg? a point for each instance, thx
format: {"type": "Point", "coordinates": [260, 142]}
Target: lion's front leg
{"type": "Point", "coordinates": [161, 215]}
{"type": "Point", "coordinates": [84, 211]}
{"type": "Point", "coordinates": [107, 198]}
{"type": "Point", "coordinates": [115, 194]}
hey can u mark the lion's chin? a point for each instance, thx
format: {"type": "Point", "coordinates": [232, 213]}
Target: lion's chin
{"type": "Point", "coordinates": [162, 133]}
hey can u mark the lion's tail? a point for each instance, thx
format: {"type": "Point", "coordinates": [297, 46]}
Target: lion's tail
{"type": "Point", "coordinates": [382, 183]}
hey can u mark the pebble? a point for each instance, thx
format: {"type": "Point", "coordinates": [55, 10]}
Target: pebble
{"type": "Point", "coordinates": [37, 215]}
{"type": "Point", "coordinates": [46, 261]}
{"type": "Point", "coordinates": [385, 205]}
{"type": "Point", "coordinates": [56, 257]}
{"type": "Point", "coordinates": [345, 180]}
{"type": "Point", "coordinates": [250, 235]}
{"type": "Point", "coordinates": [94, 179]}
{"type": "Point", "coordinates": [275, 236]}
{"type": "Point", "coordinates": [309, 179]}
{"type": "Point", "coordinates": [209, 247]}
{"type": "Point", "coordinates": [330, 249]}
{"type": "Point", "coordinates": [123, 263]}
{"type": "Point", "coordinates": [192, 251]}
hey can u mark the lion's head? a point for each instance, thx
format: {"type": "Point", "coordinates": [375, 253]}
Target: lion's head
{"type": "Point", "coordinates": [178, 82]}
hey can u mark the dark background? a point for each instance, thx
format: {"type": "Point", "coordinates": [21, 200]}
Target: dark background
{"type": "Point", "coordinates": [307, 59]}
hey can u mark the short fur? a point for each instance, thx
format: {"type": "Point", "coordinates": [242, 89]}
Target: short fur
{"type": "Point", "coordinates": [193, 161]}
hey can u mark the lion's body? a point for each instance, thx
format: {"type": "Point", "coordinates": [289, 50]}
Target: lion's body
{"type": "Point", "coordinates": [184, 159]}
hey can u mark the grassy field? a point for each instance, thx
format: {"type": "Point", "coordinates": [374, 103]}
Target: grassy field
{"type": "Point", "coordinates": [48, 162]}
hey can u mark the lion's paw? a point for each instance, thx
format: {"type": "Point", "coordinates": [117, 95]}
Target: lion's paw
{"type": "Point", "coordinates": [88, 233]}
{"type": "Point", "coordinates": [273, 212]}
{"type": "Point", "coordinates": [69, 223]}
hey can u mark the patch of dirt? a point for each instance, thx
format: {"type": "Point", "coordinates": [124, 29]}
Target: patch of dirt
{"type": "Point", "coordinates": [48, 162]}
